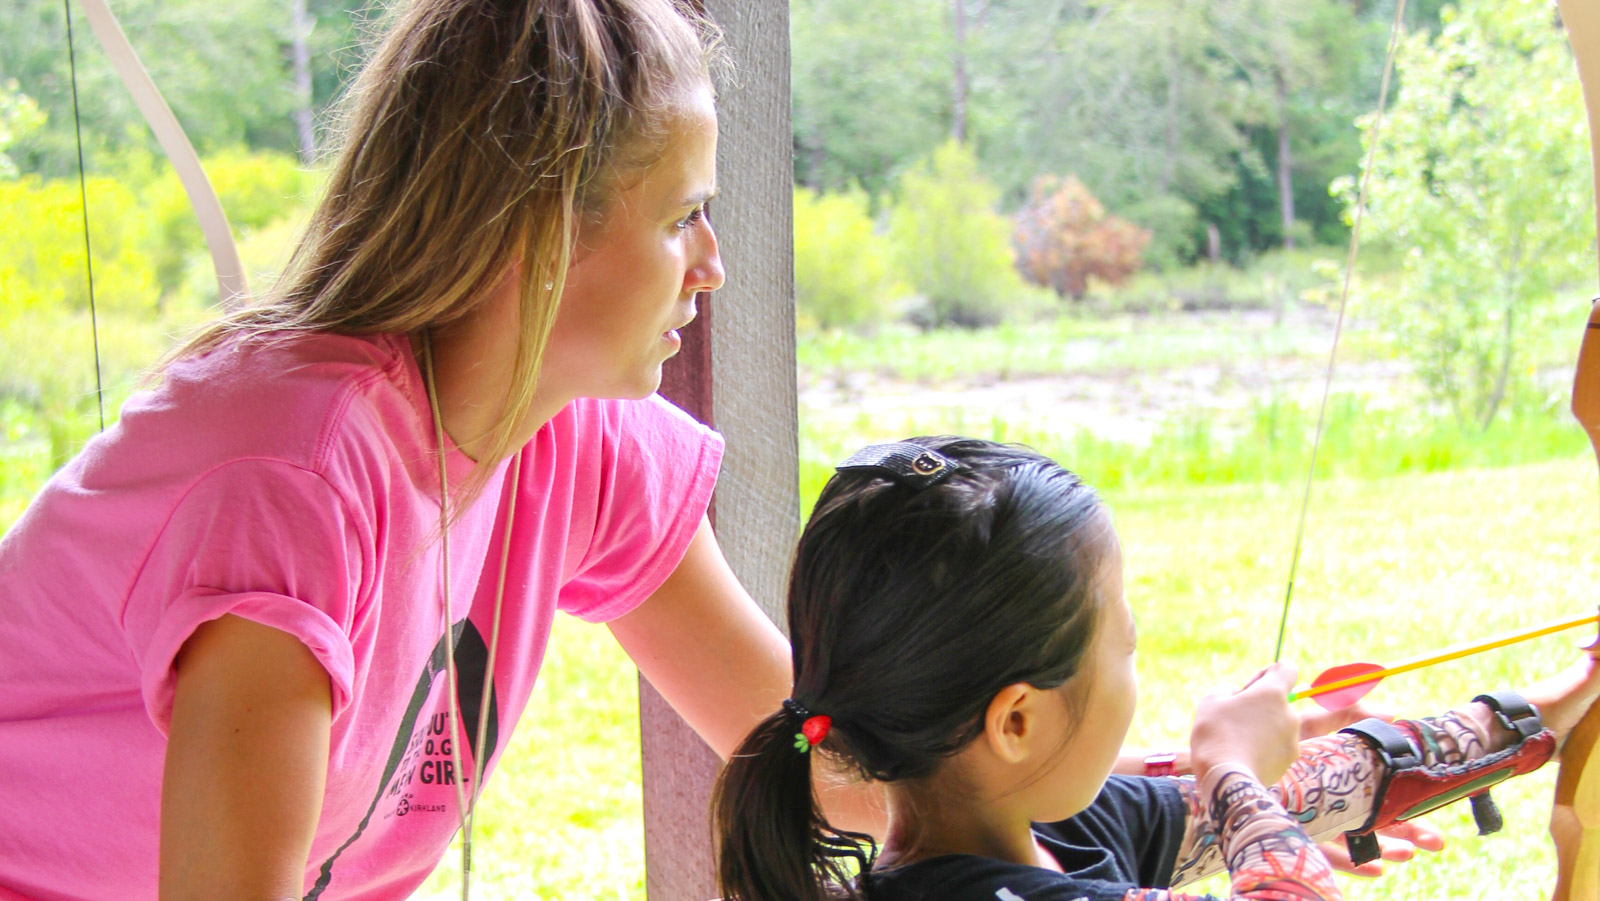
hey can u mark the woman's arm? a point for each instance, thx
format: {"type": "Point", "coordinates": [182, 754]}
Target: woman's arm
{"type": "Point", "coordinates": [247, 756]}
{"type": "Point", "coordinates": [705, 645]}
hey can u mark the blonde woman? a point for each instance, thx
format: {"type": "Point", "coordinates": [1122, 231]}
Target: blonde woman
{"type": "Point", "coordinates": [266, 636]}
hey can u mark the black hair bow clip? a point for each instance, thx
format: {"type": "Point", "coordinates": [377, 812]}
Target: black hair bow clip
{"type": "Point", "coordinates": [909, 464]}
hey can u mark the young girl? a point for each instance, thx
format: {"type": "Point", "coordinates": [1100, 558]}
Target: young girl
{"type": "Point", "coordinates": [266, 637]}
{"type": "Point", "coordinates": [960, 635]}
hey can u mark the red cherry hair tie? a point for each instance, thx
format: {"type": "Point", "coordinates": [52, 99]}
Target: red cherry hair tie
{"type": "Point", "coordinates": [813, 727]}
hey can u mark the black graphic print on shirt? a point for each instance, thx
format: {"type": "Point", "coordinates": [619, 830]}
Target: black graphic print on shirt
{"type": "Point", "coordinates": [419, 752]}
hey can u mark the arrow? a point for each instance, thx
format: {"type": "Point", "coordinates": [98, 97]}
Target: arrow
{"type": "Point", "coordinates": [1340, 686]}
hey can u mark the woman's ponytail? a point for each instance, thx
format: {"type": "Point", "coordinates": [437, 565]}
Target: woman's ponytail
{"type": "Point", "coordinates": [774, 844]}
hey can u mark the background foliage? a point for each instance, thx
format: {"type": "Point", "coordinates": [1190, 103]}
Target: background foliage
{"type": "Point", "coordinates": [844, 274]}
{"type": "Point", "coordinates": [952, 245]}
{"type": "Point", "coordinates": [1064, 237]}
{"type": "Point", "coordinates": [1483, 174]}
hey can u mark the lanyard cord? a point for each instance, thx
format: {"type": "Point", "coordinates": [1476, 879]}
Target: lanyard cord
{"type": "Point", "coordinates": [467, 803]}
{"type": "Point", "coordinates": [454, 700]}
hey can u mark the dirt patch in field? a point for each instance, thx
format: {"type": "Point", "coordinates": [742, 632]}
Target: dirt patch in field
{"type": "Point", "coordinates": [1125, 405]}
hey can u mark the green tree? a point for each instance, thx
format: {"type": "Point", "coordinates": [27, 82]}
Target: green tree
{"type": "Point", "coordinates": [1304, 71]}
{"type": "Point", "coordinates": [871, 88]}
{"type": "Point", "coordinates": [1483, 177]}
{"type": "Point", "coordinates": [1191, 117]}
{"type": "Point", "coordinates": [19, 117]}
{"type": "Point", "coordinates": [953, 246]}
{"type": "Point", "coordinates": [843, 271]}
{"type": "Point", "coordinates": [226, 70]}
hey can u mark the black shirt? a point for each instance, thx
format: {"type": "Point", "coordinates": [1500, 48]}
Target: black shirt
{"type": "Point", "coordinates": [1128, 838]}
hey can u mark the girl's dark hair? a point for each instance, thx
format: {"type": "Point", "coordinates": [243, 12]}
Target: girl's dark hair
{"type": "Point", "coordinates": [908, 611]}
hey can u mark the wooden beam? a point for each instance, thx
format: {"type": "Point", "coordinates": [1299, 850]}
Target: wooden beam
{"type": "Point", "coordinates": [736, 371]}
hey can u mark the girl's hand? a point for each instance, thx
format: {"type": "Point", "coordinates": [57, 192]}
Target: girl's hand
{"type": "Point", "coordinates": [1314, 721]}
{"type": "Point", "coordinates": [1563, 698]}
{"type": "Point", "coordinates": [1253, 727]}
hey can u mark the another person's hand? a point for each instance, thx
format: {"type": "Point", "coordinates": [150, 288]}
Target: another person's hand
{"type": "Point", "coordinates": [1564, 698]}
{"type": "Point", "coordinates": [1253, 727]}
{"type": "Point", "coordinates": [1396, 844]}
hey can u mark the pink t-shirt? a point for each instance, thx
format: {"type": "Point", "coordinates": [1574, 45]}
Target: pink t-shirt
{"type": "Point", "coordinates": [294, 484]}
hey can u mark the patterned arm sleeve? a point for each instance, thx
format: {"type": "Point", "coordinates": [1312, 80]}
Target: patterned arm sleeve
{"type": "Point", "coordinates": [1332, 787]}
{"type": "Point", "coordinates": [1268, 854]}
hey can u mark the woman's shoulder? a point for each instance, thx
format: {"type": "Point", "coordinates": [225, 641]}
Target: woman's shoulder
{"type": "Point", "coordinates": [650, 431]}
{"type": "Point", "coordinates": [341, 408]}
{"type": "Point", "coordinates": [295, 398]}
{"type": "Point", "coordinates": [278, 369]}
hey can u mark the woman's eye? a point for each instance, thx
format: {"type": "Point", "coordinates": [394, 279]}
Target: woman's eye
{"type": "Point", "coordinates": [696, 215]}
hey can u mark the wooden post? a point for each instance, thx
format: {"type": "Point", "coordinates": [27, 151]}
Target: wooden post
{"type": "Point", "coordinates": [736, 371]}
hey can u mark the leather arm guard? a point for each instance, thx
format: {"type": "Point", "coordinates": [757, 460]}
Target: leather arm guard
{"type": "Point", "coordinates": [1407, 789]}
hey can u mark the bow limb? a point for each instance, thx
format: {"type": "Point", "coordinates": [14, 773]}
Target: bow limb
{"type": "Point", "coordinates": [1575, 820]}
{"type": "Point", "coordinates": [231, 285]}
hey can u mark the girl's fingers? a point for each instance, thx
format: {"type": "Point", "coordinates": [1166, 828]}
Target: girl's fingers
{"type": "Point", "coordinates": [1278, 677]}
{"type": "Point", "coordinates": [1276, 672]}
{"type": "Point", "coordinates": [1255, 678]}
{"type": "Point", "coordinates": [1416, 833]}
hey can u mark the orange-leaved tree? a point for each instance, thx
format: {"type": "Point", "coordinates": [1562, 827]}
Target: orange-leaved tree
{"type": "Point", "coordinates": [1064, 236]}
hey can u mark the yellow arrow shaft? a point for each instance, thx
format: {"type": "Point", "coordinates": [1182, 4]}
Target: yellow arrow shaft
{"type": "Point", "coordinates": [1450, 654]}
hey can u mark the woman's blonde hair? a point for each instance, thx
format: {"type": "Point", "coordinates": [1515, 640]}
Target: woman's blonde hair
{"type": "Point", "coordinates": [480, 132]}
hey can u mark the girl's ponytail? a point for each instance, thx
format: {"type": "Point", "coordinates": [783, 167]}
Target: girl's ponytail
{"type": "Point", "coordinates": [775, 844]}
{"type": "Point", "coordinates": [928, 578]}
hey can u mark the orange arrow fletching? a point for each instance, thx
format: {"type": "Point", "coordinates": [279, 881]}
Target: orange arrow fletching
{"type": "Point", "coordinates": [1345, 684]}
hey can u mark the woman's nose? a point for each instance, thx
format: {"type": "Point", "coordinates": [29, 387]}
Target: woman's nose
{"type": "Point", "coordinates": [706, 272]}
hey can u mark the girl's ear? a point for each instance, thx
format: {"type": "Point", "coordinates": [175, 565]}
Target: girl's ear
{"type": "Point", "coordinates": [1011, 722]}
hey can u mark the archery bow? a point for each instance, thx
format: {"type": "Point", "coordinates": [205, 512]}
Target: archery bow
{"type": "Point", "coordinates": [1575, 816]}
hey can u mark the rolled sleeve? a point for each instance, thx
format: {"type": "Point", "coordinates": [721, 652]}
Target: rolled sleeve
{"type": "Point", "coordinates": [258, 539]}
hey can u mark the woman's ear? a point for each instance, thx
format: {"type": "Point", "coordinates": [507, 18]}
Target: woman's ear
{"type": "Point", "coordinates": [1011, 722]}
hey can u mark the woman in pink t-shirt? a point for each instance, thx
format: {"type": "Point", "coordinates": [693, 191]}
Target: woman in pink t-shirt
{"type": "Point", "coordinates": [247, 636]}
